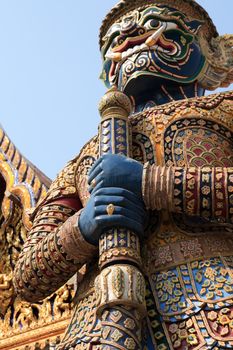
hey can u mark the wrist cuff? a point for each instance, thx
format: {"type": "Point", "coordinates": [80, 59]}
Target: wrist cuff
{"type": "Point", "coordinates": [73, 241]}
{"type": "Point", "coordinates": [157, 187]}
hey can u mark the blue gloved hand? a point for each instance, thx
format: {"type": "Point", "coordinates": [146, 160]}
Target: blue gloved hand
{"type": "Point", "coordinates": [113, 170]}
{"type": "Point", "coordinates": [129, 212]}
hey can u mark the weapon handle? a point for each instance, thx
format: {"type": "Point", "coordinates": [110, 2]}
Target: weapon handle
{"type": "Point", "coordinates": [120, 287]}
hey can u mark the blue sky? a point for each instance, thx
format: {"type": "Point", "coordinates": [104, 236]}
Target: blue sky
{"type": "Point", "coordinates": [49, 68]}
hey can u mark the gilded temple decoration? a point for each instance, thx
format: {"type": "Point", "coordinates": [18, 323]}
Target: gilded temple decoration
{"type": "Point", "coordinates": [22, 324]}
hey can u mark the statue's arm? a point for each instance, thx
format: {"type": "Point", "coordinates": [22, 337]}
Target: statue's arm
{"type": "Point", "coordinates": [203, 192]}
{"type": "Point", "coordinates": [54, 250]}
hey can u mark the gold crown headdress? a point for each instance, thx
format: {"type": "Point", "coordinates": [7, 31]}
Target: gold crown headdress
{"type": "Point", "coordinates": [189, 7]}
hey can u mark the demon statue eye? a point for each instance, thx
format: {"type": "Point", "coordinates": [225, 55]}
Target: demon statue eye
{"type": "Point", "coordinates": [120, 40]}
{"type": "Point", "coordinates": [152, 24]}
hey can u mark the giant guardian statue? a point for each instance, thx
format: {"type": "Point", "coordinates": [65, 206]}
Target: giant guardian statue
{"type": "Point", "coordinates": [144, 214]}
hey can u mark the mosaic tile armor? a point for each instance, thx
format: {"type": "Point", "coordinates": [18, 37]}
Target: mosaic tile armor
{"type": "Point", "coordinates": [187, 264]}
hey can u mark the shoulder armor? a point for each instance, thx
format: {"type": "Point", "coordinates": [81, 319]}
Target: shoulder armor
{"type": "Point", "coordinates": [205, 105]}
{"type": "Point", "coordinates": [216, 110]}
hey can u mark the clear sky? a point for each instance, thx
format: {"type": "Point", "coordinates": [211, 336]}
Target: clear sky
{"type": "Point", "coordinates": [49, 68]}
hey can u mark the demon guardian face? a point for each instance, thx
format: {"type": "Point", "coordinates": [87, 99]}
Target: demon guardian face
{"type": "Point", "coordinates": [156, 43]}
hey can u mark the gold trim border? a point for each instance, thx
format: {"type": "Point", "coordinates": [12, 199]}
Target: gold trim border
{"type": "Point", "coordinates": [33, 336]}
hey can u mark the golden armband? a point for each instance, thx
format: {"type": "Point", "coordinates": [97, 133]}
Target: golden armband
{"type": "Point", "coordinates": [157, 187]}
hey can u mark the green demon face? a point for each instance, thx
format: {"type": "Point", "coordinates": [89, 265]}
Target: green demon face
{"type": "Point", "coordinates": [155, 43]}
